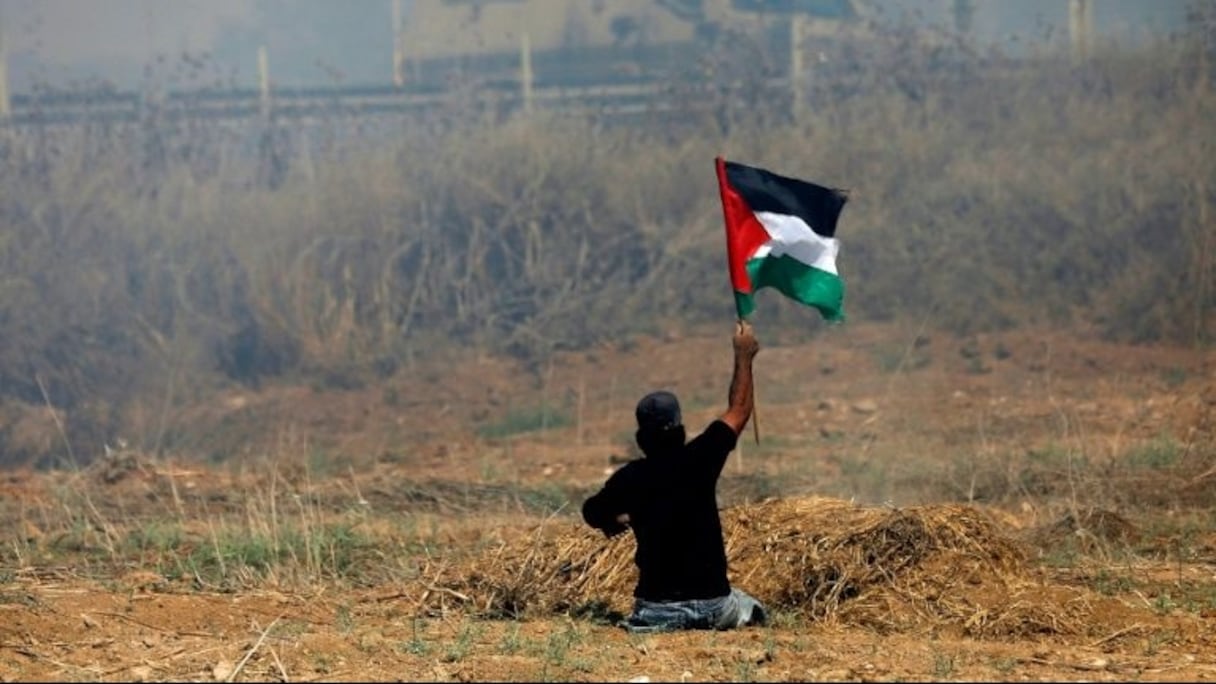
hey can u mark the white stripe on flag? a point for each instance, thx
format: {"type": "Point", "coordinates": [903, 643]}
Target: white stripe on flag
{"type": "Point", "coordinates": [791, 235]}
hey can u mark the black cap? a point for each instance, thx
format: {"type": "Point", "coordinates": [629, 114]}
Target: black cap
{"type": "Point", "coordinates": [658, 411]}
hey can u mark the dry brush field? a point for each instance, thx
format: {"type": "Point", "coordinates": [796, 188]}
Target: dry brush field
{"type": "Point", "coordinates": [315, 404]}
{"type": "Point", "coordinates": [921, 506]}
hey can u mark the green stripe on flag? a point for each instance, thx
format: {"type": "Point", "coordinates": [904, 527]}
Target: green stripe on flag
{"type": "Point", "coordinates": [796, 280]}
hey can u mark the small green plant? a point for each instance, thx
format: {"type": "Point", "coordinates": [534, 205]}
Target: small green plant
{"type": "Point", "coordinates": [559, 643]}
{"type": "Point", "coordinates": [976, 366]}
{"type": "Point", "coordinates": [416, 645]}
{"type": "Point", "coordinates": [1156, 640]}
{"type": "Point", "coordinates": [787, 619]}
{"type": "Point", "coordinates": [1110, 585]}
{"type": "Point", "coordinates": [1063, 555]}
{"type": "Point", "coordinates": [156, 537]}
{"type": "Point", "coordinates": [511, 643]}
{"type": "Point", "coordinates": [462, 646]}
{"type": "Point", "coordinates": [582, 664]}
{"type": "Point", "coordinates": [1174, 377]}
{"type": "Point", "coordinates": [943, 665]}
{"type": "Point", "coordinates": [1164, 603]}
{"type": "Point", "coordinates": [523, 421]}
{"type": "Point", "coordinates": [770, 645]}
{"type": "Point", "coordinates": [490, 468]}
{"type": "Point", "coordinates": [1005, 665]}
{"type": "Point", "coordinates": [343, 620]}
{"type": "Point", "coordinates": [1159, 454]}
{"type": "Point", "coordinates": [545, 498]}
{"type": "Point", "coordinates": [1206, 601]}
{"type": "Point", "coordinates": [894, 358]}
{"type": "Point", "coordinates": [321, 663]}
{"type": "Point", "coordinates": [1001, 352]}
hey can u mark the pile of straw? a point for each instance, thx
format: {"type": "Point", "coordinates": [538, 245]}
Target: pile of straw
{"type": "Point", "coordinates": [942, 567]}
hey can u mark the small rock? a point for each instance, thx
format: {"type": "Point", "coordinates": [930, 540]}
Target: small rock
{"type": "Point", "coordinates": [371, 641]}
{"type": "Point", "coordinates": [89, 622]}
{"type": "Point", "coordinates": [222, 670]}
{"type": "Point", "coordinates": [865, 406]}
{"type": "Point", "coordinates": [641, 680]}
{"type": "Point", "coordinates": [141, 673]}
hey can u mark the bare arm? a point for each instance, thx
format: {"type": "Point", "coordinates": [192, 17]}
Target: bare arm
{"type": "Point", "coordinates": [740, 400]}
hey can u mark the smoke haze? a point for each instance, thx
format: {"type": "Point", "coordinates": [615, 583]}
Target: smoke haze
{"type": "Point", "coordinates": [322, 42]}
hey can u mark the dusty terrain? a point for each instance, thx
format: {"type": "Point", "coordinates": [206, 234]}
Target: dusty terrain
{"type": "Point", "coordinates": [346, 528]}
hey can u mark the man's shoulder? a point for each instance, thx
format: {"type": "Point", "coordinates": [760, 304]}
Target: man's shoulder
{"type": "Point", "coordinates": [717, 436]}
{"type": "Point", "coordinates": [718, 430]}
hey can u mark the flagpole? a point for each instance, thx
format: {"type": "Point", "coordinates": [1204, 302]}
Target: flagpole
{"type": "Point", "coordinates": [755, 414]}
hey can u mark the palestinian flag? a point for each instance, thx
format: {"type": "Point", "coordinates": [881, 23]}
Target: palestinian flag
{"type": "Point", "coordinates": [781, 233]}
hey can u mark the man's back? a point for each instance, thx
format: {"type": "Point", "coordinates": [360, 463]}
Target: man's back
{"type": "Point", "coordinates": [669, 499]}
{"type": "Point", "coordinates": [672, 507]}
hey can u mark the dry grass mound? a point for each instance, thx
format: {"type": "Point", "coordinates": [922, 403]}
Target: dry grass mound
{"type": "Point", "coordinates": [945, 568]}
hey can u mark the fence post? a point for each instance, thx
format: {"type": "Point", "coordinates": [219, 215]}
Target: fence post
{"type": "Point", "coordinates": [5, 104]}
{"type": "Point", "coordinates": [525, 71]}
{"type": "Point", "coordinates": [398, 51]}
{"type": "Point", "coordinates": [264, 81]}
{"type": "Point", "coordinates": [1080, 27]}
{"type": "Point", "coordinates": [964, 16]}
{"type": "Point", "coordinates": [796, 65]}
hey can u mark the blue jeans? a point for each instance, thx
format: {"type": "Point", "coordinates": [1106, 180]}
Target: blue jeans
{"type": "Point", "coordinates": [736, 609]}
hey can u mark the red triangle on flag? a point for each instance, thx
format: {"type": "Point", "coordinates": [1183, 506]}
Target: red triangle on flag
{"type": "Point", "coordinates": [744, 233]}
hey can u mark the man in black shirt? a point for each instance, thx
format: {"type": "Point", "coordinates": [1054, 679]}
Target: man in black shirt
{"type": "Point", "coordinates": [668, 498]}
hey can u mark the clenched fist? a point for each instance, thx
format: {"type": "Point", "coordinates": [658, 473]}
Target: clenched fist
{"type": "Point", "coordinates": [745, 341]}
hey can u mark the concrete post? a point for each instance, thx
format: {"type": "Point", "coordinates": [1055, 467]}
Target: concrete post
{"type": "Point", "coordinates": [525, 72]}
{"type": "Point", "coordinates": [264, 81]}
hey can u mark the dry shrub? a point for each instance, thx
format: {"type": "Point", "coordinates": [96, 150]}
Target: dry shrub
{"type": "Point", "coordinates": [945, 568]}
{"type": "Point", "coordinates": [1088, 530]}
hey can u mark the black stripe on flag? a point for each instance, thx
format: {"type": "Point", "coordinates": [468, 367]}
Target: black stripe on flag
{"type": "Point", "coordinates": [765, 191]}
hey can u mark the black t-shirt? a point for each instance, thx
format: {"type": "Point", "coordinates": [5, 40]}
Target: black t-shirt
{"type": "Point", "coordinates": [673, 510]}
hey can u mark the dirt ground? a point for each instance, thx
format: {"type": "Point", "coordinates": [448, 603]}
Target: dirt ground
{"type": "Point", "coordinates": [1039, 429]}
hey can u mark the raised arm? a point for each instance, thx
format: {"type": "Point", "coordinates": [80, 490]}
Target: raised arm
{"type": "Point", "coordinates": [740, 401]}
